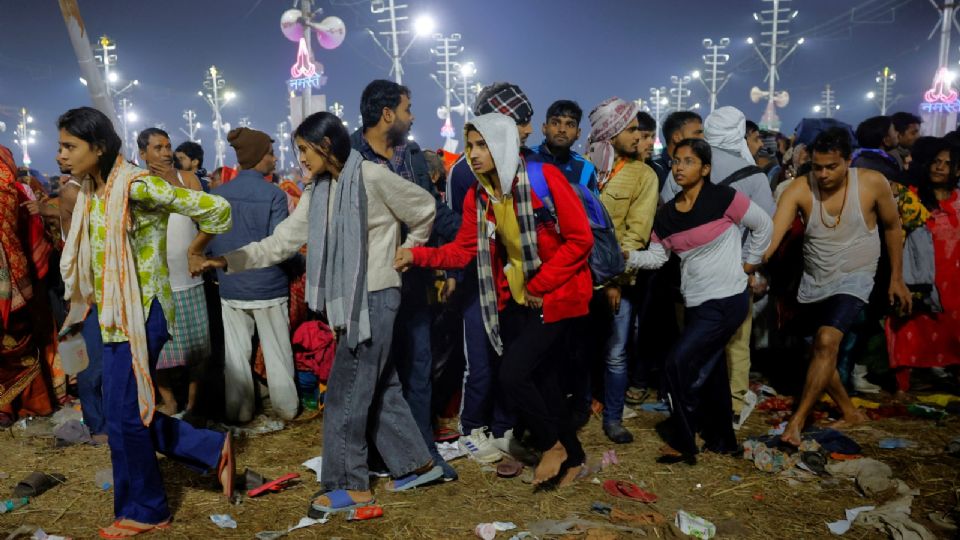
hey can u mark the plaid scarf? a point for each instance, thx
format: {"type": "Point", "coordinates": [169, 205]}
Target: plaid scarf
{"type": "Point", "coordinates": [528, 239]}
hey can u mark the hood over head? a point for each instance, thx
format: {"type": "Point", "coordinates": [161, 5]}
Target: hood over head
{"type": "Point", "coordinates": [500, 133]}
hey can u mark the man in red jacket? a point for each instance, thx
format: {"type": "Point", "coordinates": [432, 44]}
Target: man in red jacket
{"type": "Point", "coordinates": [533, 276]}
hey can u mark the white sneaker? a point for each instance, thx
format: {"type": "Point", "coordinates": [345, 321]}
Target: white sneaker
{"type": "Point", "coordinates": [509, 445]}
{"type": "Point", "coordinates": [629, 413]}
{"type": "Point", "coordinates": [860, 382]}
{"type": "Point", "coordinates": [478, 446]}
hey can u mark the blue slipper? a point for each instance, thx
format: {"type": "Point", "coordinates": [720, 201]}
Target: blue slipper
{"type": "Point", "coordinates": [340, 501]}
{"type": "Point", "coordinates": [414, 480]}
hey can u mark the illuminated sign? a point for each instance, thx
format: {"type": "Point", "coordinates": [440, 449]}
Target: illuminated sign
{"type": "Point", "coordinates": [941, 92]}
{"type": "Point", "coordinates": [304, 72]}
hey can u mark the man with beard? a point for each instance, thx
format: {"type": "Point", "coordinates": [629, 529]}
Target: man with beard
{"type": "Point", "coordinates": [629, 193]}
{"type": "Point", "coordinates": [647, 127]}
{"type": "Point", "coordinates": [189, 344]}
{"type": "Point", "coordinates": [560, 131]}
{"type": "Point", "coordinates": [386, 110]}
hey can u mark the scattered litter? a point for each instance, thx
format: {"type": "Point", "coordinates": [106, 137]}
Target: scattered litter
{"type": "Point", "coordinates": [643, 518]}
{"type": "Point", "coordinates": [308, 522]}
{"type": "Point", "coordinates": [832, 440]}
{"type": "Point", "coordinates": [365, 512]}
{"type": "Point", "coordinates": [10, 505]}
{"type": "Point", "coordinates": [40, 534]}
{"type": "Point", "coordinates": [943, 520]}
{"type": "Point", "coordinates": [609, 458]}
{"type": "Point", "coordinates": [547, 527]}
{"type": "Point", "coordinates": [224, 521]}
{"type": "Point", "coordinates": [861, 403]}
{"type": "Point", "coordinates": [315, 464]}
{"type": "Point", "coordinates": [763, 389]}
{"type": "Point", "coordinates": [304, 522]}
{"type": "Point", "coordinates": [758, 496]}
{"type": "Point", "coordinates": [750, 402]}
{"type": "Point", "coordinates": [628, 490]}
{"type": "Point", "coordinates": [893, 518]}
{"type": "Point", "coordinates": [694, 526]}
{"type": "Point", "coordinates": [842, 526]}
{"type": "Point", "coordinates": [873, 477]}
{"type": "Point", "coordinates": [261, 425]}
{"type": "Point", "coordinates": [65, 415]}
{"type": "Point", "coordinates": [941, 400]}
{"type": "Point", "coordinates": [776, 403]}
{"type": "Point", "coordinates": [778, 429]}
{"type": "Point", "coordinates": [736, 478]}
{"type": "Point", "coordinates": [71, 432]}
{"type": "Point", "coordinates": [895, 443]}
{"type": "Point", "coordinates": [767, 459]}
{"type": "Point", "coordinates": [103, 479]}
{"type": "Point", "coordinates": [450, 450]}
{"type": "Point", "coordinates": [925, 411]}
{"type": "Point", "coordinates": [953, 447]}
{"type": "Point", "coordinates": [38, 483]}
{"type": "Point", "coordinates": [488, 531]}
{"type": "Point", "coordinates": [601, 508]}
{"type": "Point", "coordinates": [657, 407]}
{"type": "Point", "coordinates": [273, 486]}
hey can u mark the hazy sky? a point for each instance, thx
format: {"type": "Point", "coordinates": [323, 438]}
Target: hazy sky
{"type": "Point", "coordinates": [586, 50]}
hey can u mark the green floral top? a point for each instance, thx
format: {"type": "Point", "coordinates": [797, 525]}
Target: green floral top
{"type": "Point", "coordinates": [152, 200]}
{"type": "Point", "coordinates": [913, 213]}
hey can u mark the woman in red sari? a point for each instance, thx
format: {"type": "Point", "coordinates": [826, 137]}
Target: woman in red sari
{"type": "Point", "coordinates": [930, 338]}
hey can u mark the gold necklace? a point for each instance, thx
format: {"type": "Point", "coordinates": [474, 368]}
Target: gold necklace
{"type": "Point", "coordinates": [842, 205]}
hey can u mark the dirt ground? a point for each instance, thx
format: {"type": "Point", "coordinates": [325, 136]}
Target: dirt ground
{"type": "Point", "coordinates": [761, 505]}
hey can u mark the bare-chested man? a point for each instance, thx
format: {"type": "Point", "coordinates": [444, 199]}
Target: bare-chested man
{"type": "Point", "coordinates": [841, 208]}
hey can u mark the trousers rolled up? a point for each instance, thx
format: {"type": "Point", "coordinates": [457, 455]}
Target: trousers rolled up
{"type": "Point", "coordinates": [272, 324]}
{"type": "Point", "coordinates": [138, 487]}
{"type": "Point", "coordinates": [364, 402]}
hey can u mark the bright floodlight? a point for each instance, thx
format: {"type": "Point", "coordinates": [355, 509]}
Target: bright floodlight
{"type": "Point", "coordinates": [131, 116]}
{"type": "Point", "coordinates": [229, 95]}
{"type": "Point", "coordinates": [664, 101]}
{"type": "Point", "coordinates": [951, 76]}
{"type": "Point", "coordinates": [33, 132]}
{"type": "Point", "coordinates": [871, 95]}
{"type": "Point", "coordinates": [468, 69]}
{"type": "Point", "coordinates": [31, 140]}
{"type": "Point", "coordinates": [800, 41]}
{"type": "Point", "coordinates": [136, 82]}
{"type": "Point", "coordinates": [424, 25]}
{"type": "Point", "coordinates": [410, 137]}
{"type": "Point", "coordinates": [816, 108]}
{"type": "Point", "coordinates": [29, 119]}
{"type": "Point", "coordinates": [750, 41]}
{"type": "Point", "coordinates": [695, 74]}
{"type": "Point", "coordinates": [83, 81]}
{"type": "Point", "coordinates": [112, 76]}
{"type": "Point", "coordinates": [756, 17]}
{"type": "Point", "coordinates": [198, 125]}
{"type": "Point", "coordinates": [200, 93]}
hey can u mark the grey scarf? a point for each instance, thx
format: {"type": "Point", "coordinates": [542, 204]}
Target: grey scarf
{"type": "Point", "coordinates": [337, 253]}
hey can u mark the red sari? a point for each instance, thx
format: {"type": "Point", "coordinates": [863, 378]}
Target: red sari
{"type": "Point", "coordinates": [927, 340]}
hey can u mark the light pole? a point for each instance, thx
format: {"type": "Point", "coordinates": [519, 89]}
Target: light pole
{"type": "Point", "coordinates": [446, 51]}
{"type": "Point", "coordinates": [244, 122]}
{"type": "Point", "coordinates": [337, 109]}
{"type": "Point", "coordinates": [660, 105]}
{"type": "Point", "coordinates": [828, 103]}
{"type": "Point", "coordinates": [714, 61]}
{"type": "Point", "coordinates": [281, 137]}
{"type": "Point", "coordinates": [127, 117]}
{"type": "Point", "coordinates": [216, 99]}
{"type": "Point", "coordinates": [423, 26]}
{"type": "Point", "coordinates": [467, 70]}
{"type": "Point", "coordinates": [680, 92]}
{"type": "Point", "coordinates": [192, 125]}
{"type": "Point", "coordinates": [25, 135]}
{"type": "Point", "coordinates": [773, 22]}
{"type": "Point", "coordinates": [882, 96]}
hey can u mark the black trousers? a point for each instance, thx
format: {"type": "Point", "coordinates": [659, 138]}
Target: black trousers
{"type": "Point", "coordinates": [530, 379]}
{"type": "Point", "coordinates": [696, 372]}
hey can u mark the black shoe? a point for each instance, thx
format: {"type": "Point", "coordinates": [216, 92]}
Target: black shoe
{"type": "Point", "coordinates": [617, 433]}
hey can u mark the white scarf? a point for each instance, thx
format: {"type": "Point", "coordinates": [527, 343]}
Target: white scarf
{"type": "Point", "coordinates": [121, 307]}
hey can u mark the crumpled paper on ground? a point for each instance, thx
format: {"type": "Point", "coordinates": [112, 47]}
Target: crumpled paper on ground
{"type": "Point", "coordinates": [450, 450]}
{"type": "Point", "coordinates": [873, 477]}
{"type": "Point", "coordinates": [894, 518]}
{"type": "Point", "coordinates": [488, 531]}
{"type": "Point", "coordinates": [842, 526]}
{"type": "Point", "coordinates": [315, 464]}
{"type": "Point", "coordinates": [304, 522]}
{"type": "Point", "coordinates": [224, 521]}
{"type": "Point", "coordinates": [546, 527]}
{"type": "Point", "coordinates": [259, 426]}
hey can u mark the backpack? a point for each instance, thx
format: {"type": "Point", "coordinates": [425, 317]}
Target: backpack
{"type": "Point", "coordinates": [313, 349]}
{"type": "Point", "coordinates": [740, 174]}
{"type": "Point", "coordinates": [606, 260]}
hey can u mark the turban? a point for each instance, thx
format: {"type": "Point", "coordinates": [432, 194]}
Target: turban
{"type": "Point", "coordinates": [607, 120]}
{"type": "Point", "coordinates": [726, 129]}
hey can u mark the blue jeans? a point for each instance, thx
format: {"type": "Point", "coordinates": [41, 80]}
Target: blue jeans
{"type": "Point", "coordinates": [364, 403]}
{"type": "Point", "coordinates": [138, 486]}
{"type": "Point", "coordinates": [90, 380]}
{"type": "Point", "coordinates": [615, 377]}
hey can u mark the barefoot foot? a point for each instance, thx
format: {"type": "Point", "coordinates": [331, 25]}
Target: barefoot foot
{"type": "Point", "coordinates": [791, 434]}
{"type": "Point", "coordinates": [550, 464]}
{"type": "Point", "coordinates": [571, 476]}
{"type": "Point", "coordinates": [854, 419]}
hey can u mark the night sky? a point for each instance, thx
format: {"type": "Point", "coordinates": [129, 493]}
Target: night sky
{"type": "Point", "coordinates": [586, 50]}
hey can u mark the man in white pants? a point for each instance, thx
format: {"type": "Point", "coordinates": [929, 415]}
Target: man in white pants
{"type": "Point", "coordinates": [259, 299]}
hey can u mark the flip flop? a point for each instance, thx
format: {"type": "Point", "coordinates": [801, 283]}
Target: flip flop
{"type": "Point", "coordinates": [37, 483]}
{"type": "Point", "coordinates": [275, 486]}
{"type": "Point", "coordinates": [509, 468]}
{"type": "Point", "coordinates": [135, 529]}
{"type": "Point", "coordinates": [445, 434]}
{"type": "Point", "coordinates": [340, 501]}
{"type": "Point", "coordinates": [628, 490]}
{"type": "Point", "coordinates": [636, 396]}
{"type": "Point", "coordinates": [414, 480]}
{"type": "Point", "coordinates": [227, 462]}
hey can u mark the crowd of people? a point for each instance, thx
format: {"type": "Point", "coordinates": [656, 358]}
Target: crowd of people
{"type": "Point", "coordinates": [499, 298]}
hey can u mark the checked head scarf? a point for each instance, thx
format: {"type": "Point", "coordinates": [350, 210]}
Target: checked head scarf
{"type": "Point", "coordinates": [607, 120]}
{"type": "Point", "coordinates": [504, 98]}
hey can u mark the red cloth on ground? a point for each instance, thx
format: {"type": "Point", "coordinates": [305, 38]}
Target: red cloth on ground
{"type": "Point", "coordinates": [933, 339]}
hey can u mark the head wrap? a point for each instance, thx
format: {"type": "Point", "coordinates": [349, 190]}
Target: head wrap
{"type": "Point", "coordinates": [726, 129]}
{"type": "Point", "coordinates": [251, 145]}
{"type": "Point", "coordinates": [607, 120]}
{"type": "Point", "coordinates": [504, 98]}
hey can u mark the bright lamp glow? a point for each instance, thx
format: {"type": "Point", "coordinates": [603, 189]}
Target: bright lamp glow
{"type": "Point", "coordinates": [29, 119]}
{"type": "Point", "coordinates": [749, 41]}
{"type": "Point", "coordinates": [816, 108]}
{"type": "Point", "coordinates": [229, 95]}
{"type": "Point", "coordinates": [113, 77]}
{"type": "Point", "coordinates": [800, 41]}
{"type": "Point", "coordinates": [468, 69]}
{"type": "Point", "coordinates": [871, 95]}
{"type": "Point", "coordinates": [695, 74]}
{"type": "Point", "coordinates": [131, 116]}
{"type": "Point", "coordinates": [424, 25]}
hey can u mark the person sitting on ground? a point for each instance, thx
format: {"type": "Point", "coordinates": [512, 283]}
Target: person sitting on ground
{"type": "Point", "coordinates": [702, 226]}
{"type": "Point", "coordinates": [533, 277]}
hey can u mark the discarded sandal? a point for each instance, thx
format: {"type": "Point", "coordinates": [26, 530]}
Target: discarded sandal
{"type": "Point", "coordinates": [274, 486]}
{"type": "Point", "coordinates": [37, 483]}
{"type": "Point", "coordinates": [628, 490]}
{"type": "Point", "coordinates": [340, 501]}
{"type": "Point", "coordinates": [509, 468]}
{"type": "Point", "coordinates": [130, 530]}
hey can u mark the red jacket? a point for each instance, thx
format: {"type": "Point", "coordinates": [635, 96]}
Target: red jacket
{"type": "Point", "coordinates": [563, 280]}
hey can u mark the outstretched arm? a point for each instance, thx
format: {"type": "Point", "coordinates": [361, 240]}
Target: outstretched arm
{"type": "Point", "coordinates": [889, 217]}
